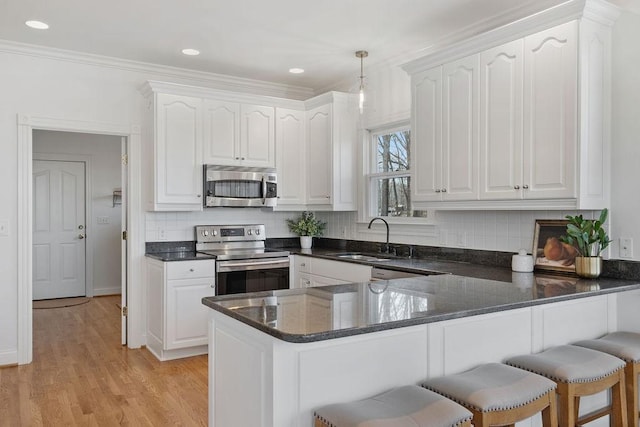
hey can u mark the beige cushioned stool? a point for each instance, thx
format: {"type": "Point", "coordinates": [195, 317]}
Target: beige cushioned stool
{"type": "Point", "coordinates": [579, 372]}
{"type": "Point", "coordinates": [499, 395]}
{"type": "Point", "coordinates": [408, 406]}
{"type": "Point", "coordinates": [626, 346]}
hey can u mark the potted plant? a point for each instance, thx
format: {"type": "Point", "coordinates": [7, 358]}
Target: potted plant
{"type": "Point", "coordinates": [590, 239]}
{"type": "Point", "coordinates": [306, 227]}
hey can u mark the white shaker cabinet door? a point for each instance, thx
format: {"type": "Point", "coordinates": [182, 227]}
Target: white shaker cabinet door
{"type": "Point", "coordinates": [319, 154]}
{"type": "Point", "coordinates": [501, 80]}
{"type": "Point", "coordinates": [186, 316]}
{"type": "Point", "coordinates": [221, 132]}
{"type": "Point", "coordinates": [550, 113]}
{"type": "Point", "coordinates": [460, 129]}
{"type": "Point", "coordinates": [290, 160]}
{"type": "Point", "coordinates": [179, 151]}
{"type": "Point", "coordinates": [257, 136]}
{"type": "Point", "coordinates": [426, 129]}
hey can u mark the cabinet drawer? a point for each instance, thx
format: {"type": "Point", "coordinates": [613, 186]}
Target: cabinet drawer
{"type": "Point", "coordinates": [303, 264]}
{"type": "Point", "coordinates": [190, 269]}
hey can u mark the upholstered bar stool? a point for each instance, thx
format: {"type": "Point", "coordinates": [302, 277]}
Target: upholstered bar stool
{"type": "Point", "coordinates": [408, 406]}
{"type": "Point", "coordinates": [626, 346]}
{"type": "Point", "coordinates": [499, 395]}
{"type": "Point", "coordinates": [579, 371]}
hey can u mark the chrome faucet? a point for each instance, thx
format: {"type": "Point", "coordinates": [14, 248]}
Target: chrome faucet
{"type": "Point", "coordinates": [386, 246]}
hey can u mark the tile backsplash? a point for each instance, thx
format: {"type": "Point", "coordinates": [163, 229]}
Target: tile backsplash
{"type": "Point", "coordinates": [506, 231]}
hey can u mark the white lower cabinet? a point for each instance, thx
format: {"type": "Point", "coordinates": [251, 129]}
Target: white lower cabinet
{"type": "Point", "coordinates": [310, 272]}
{"type": "Point", "coordinates": [176, 317]}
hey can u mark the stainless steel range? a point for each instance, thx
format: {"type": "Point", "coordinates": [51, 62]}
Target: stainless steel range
{"type": "Point", "coordinates": [243, 264]}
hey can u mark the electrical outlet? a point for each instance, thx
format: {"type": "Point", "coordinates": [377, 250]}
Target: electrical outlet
{"type": "Point", "coordinates": [162, 234]}
{"type": "Point", "coordinates": [344, 232]}
{"type": "Point", "coordinates": [4, 228]}
{"type": "Point", "coordinates": [626, 247]}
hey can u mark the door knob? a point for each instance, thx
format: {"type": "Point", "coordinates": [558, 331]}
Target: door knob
{"type": "Point", "coordinates": [81, 236]}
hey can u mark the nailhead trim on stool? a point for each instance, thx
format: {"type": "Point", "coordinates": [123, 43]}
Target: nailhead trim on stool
{"type": "Point", "coordinates": [579, 371]}
{"type": "Point", "coordinates": [408, 406]}
{"type": "Point", "coordinates": [626, 346]}
{"type": "Point", "coordinates": [498, 394]}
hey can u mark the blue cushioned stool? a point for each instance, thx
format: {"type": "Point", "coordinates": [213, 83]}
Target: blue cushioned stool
{"type": "Point", "coordinates": [500, 395]}
{"type": "Point", "coordinates": [579, 371]}
{"type": "Point", "coordinates": [408, 406]}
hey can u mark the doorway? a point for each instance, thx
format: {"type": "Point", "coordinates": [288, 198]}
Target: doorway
{"type": "Point", "coordinates": [133, 212]}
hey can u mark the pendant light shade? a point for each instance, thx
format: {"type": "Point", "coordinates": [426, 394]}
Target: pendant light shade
{"type": "Point", "coordinates": [361, 54]}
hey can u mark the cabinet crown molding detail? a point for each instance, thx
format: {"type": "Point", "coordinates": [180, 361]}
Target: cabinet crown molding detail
{"type": "Point", "coordinates": [597, 10]}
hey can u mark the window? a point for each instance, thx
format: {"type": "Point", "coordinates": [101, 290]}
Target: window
{"type": "Point", "coordinates": [390, 179]}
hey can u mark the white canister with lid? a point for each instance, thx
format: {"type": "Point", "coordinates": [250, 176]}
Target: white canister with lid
{"type": "Point", "coordinates": [521, 262]}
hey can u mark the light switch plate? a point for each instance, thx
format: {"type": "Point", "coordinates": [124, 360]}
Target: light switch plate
{"type": "Point", "coordinates": [4, 228]}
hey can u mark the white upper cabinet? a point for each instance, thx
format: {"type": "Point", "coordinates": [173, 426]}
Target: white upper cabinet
{"type": "Point", "coordinates": [528, 127]}
{"type": "Point", "coordinates": [550, 113]}
{"type": "Point", "coordinates": [290, 156]}
{"type": "Point", "coordinates": [177, 159]}
{"type": "Point", "coordinates": [331, 152]}
{"type": "Point", "coordinates": [238, 134]}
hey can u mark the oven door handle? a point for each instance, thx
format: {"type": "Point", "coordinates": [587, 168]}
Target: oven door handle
{"type": "Point", "coordinates": [244, 265]}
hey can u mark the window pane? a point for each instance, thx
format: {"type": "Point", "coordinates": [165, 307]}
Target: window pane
{"type": "Point", "coordinates": [392, 151]}
{"type": "Point", "coordinates": [394, 198]}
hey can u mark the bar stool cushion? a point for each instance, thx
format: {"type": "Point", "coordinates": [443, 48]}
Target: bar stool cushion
{"type": "Point", "coordinates": [569, 364]}
{"type": "Point", "coordinates": [625, 345]}
{"type": "Point", "coordinates": [407, 406]}
{"type": "Point", "coordinates": [492, 387]}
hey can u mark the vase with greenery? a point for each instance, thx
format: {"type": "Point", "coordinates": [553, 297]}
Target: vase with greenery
{"type": "Point", "coordinates": [306, 226]}
{"type": "Point", "coordinates": [590, 238]}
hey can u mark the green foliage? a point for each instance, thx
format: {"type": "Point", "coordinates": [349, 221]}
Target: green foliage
{"type": "Point", "coordinates": [587, 235]}
{"type": "Point", "coordinates": [307, 225]}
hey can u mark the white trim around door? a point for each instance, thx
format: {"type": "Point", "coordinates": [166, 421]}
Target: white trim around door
{"type": "Point", "coordinates": [135, 243]}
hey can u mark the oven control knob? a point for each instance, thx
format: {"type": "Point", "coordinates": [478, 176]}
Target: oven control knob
{"type": "Point", "coordinates": [205, 233]}
{"type": "Point", "coordinates": [214, 232]}
{"type": "Point", "coordinates": [249, 232]}
{"type": "Point", "coordinates": [257, 231]}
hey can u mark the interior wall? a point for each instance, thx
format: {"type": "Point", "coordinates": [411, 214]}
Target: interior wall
{"type": "Point", "coordinates": [105, 225]}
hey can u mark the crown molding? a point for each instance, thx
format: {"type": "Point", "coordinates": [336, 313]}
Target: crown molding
{"type": "Point", "coordinates": [213, 80]}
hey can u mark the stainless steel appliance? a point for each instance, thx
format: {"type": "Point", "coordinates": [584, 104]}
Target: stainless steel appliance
{"type": "Point", "coordinates": [243, 264]}
{"type": "Point", "coordinates": [240, 186]}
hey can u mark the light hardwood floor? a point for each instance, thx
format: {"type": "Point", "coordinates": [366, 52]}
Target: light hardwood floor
{"type": "Point", "coordinates": [82, 376]}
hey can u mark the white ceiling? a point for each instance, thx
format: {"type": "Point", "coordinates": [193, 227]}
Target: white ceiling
{"type": "Point", "coordinates": [257, 39]}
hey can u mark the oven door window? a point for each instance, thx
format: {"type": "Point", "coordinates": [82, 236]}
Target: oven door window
{"type": "Point", "coordinates": [237, 281]}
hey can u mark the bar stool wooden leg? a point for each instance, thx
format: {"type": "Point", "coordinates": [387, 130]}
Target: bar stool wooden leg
{"type": "Point", "coordinates": [619, 403]}
{"type": "Point", "coordinates": [550, 413]}
{"type": "Point", "coordinates": [567, 408]}
{"type": "Point", "coordinates": [631, 371]}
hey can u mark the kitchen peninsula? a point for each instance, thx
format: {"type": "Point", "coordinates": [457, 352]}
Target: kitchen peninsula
{"type": "Point", "coordinates": [276, 356]}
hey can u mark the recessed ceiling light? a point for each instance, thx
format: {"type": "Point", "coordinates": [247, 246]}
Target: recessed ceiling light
{"type": "Point", "coordinates": [38, 25]}
{"type": "Point", "coordinates": [191, 52]}
{"type": "Point", "coordinates": [296, 70]}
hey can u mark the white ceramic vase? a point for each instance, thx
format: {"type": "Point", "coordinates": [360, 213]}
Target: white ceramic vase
{"type": "Point", "coordinates": [306, 241]}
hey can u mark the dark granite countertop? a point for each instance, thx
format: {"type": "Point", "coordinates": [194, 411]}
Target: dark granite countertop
{"type": "Point", "coordinates": [178, 256]}
{"type": "Point", "coordinates": [399, 303]}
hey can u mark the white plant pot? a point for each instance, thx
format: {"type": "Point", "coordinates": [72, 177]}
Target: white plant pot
{"type": "Point", "coordinates": [306, 241]}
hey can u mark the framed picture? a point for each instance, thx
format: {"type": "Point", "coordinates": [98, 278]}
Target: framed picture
{"type": "Point", "coordinates": [549, 253]}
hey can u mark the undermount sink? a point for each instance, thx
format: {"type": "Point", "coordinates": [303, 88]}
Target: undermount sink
{"type": "Point", "coordinates": [360, 256]}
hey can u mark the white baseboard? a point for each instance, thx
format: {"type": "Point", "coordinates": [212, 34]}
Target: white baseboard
{"type": "Point", "coordinates": [8, 358]}
{"type": "Point", "coordinates": [117, 290]}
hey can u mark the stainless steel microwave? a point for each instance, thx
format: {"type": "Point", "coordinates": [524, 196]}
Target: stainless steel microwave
{"type": "Point", "coordinates": [236, 186]}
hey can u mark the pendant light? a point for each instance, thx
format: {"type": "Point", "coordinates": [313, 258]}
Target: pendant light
{"type": "Point", "coordinates": [361, 54]}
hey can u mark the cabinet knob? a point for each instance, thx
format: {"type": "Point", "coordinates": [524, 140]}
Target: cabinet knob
{"type": "Point", "coordinates": [526, 187]}
{"type": "Point", "coordinates": [303, 264]}
{"type": "Point", "coordinates": [241, 158]}
{"type": "Point", "coordinates": [327, 197]}
{"type": "Point", "coordinates": [199, 195]}
{"type": "Point", "coordinates": [438, 190]}
{"type": "Point", "coordinates": [516, 187]}
{"type": "Point", "coordinates": [191, 270]}
{"type": "Point", "coordinates": [444, 190]}
{"type": "Point", "coordinates": [213, 286]}
{"type": "Point", "coordinates": [237, 158]}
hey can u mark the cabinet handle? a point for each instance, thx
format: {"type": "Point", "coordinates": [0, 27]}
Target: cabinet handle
{"type": "Point", "coordinates": [242, 158]}
{"type": "Point", "coordinates": [237, 158]}
{"type": "Point", "coordinates": [213, 286]}
{"type": "Point", "coordinates": [191, 270]}
{"type": "Point", "coordinates": [517, 187]}
{"type": "Point", "coordinates": [438, 191]}
{"type": "Point", "coordinates": [526, 187]}
{"type": "Point", "coordinates": [444, 190]}
{"type": "Point", "coordinates": [303, 264]}
{"type": "Point", "coordinates": [327, 197]}
{"type": "Point", "coordinates": [199, 195]}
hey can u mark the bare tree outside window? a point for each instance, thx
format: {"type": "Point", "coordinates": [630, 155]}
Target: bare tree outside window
{"type": "Point", "coordinates": [391, 177]}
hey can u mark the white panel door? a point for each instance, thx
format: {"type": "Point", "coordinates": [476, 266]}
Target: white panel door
{"type": "Point", "coordinates": [426, 128]}
{"type": "Point", "coordinates": [221, 132]}
{"type": "Point", "coordinates": [460, 129]}
{"type": "Point", "coordinates": [501, 122]}
{"type": "Point", "coordinates": [319, 166]}
{"type": "Point", "coordinates": [58, 229]}
{"type": "Point", "coordinates": [290, 138]}
{"type": "Point", "coordinates": [257, 136]}
{"type": "Point", "coordinates": [550, 113]}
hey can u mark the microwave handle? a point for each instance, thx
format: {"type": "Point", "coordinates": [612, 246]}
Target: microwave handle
{"type": "Point", "coordinates": [264, 191]}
